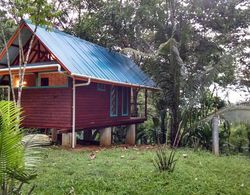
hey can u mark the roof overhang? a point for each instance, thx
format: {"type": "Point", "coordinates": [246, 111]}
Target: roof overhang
{"type": "Point", "coordinates": [31, 68]}
{"type": "Point", "coordinates": [58, 63]}
{"type": "Point", "coordinates": [98, 80]}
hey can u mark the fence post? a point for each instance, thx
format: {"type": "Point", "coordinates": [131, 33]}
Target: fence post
{"type": "Point", "coordinates": [215, 135]}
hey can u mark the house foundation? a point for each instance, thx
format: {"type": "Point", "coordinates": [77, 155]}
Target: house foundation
{"type": "Point", "coordinates": [105, 136]}
{"type": "Point", "coordinates": [130, 137]}
{"type": "Point", "coordinates": [67, 139]}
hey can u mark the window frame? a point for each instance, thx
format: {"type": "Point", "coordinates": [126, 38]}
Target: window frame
{"type": "Point", "coordinates": [126, 90]}
{"type": "Point", "coordinates": [101, 87]}
{"type": "Point", "coordinates": [116, 100]}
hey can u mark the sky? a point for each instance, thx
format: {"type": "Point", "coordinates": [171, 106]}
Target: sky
{"type": "Point", "coordinates": [231, 93]}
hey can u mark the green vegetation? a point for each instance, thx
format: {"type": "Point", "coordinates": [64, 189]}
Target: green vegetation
{"type": "Point", "coordinates": [186, 48]}
{"type": "Point", "coordinates": [17, 159]}
{"type": "Point", "coordinates": [131, 171]}
{"type": "Point", "coordinates": [165, 160]}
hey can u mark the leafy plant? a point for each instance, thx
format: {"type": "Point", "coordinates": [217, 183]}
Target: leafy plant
{"type": "Point", "coordinates": [17, 160]}
{"type": "Point", "coordinates": [149, 132]}
{"type": "Point", "coordinates": [165, 161]}
{"type": "Point", "coordinates": [239, 140]}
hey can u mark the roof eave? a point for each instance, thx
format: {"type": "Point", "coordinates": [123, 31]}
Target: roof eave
{"type": "Point", "coordinates": [106, 81]}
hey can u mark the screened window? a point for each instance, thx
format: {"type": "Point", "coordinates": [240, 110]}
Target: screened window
{"type": "Point", "coordinates": [113, 101]}
{"type": "Point", "coordinates": [44, 81]}
{"type": "Point", "coordinates": [125, 101]}
{"type": "Point", "coordinates": [101, 87]}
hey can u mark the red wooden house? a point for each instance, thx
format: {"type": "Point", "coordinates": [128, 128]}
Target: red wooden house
{"type": "Point", "coordinates": [73, 85]}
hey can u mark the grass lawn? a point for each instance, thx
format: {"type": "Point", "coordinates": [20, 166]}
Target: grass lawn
{"type": "Point", "coordinates": [130, 171]}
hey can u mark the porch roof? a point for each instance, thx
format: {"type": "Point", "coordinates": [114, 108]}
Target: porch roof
{"type": "Point", "coordinates": [37, 67]}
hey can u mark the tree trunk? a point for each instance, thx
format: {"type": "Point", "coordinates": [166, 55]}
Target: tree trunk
{"type": "Point", "coordinates": [174, 126]}
{"type": "Point", "coordinates": [25, 60]}
{"type": "Point", "coordinates": [215, 135]}
{"type": "Point", "coordinates": [248, 136]}
{"type": "Point", "coordinates": [8, 63]}
{"type": "Point", "coordinates": [163, 127]}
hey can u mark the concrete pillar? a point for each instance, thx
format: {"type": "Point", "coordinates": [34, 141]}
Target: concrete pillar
{"type": "Point", "coordinates": [67, 139]}
{"type": "Point", "coordinates": [130, 137]}
{"type": "Point", "coordinates": [87, 135]}
{"type": "Point", "coordinates": [215, 135]}
{"type": "Point", "coordinates": [54, 135]}
{"type": "Point", "coordinates": [105, 136]}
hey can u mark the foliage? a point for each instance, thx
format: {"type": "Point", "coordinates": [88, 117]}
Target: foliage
{"type": "Point", "coordinates": [149, 132]}
{"type": "Point", "coordinates": [200, 132]}
{"type": "Point", "coordinates": [16, 160]}
{"type": "Point", "coordinates": [238, 139]}
{"type": "Point", "coordinates": [40, 12]}
{"type": "Point", "coordinates": [184, 46]}
{"type": "Point", "coordinates": [122, 170]}
{"type": "Point", "coordinates": [119, 134]}
{"type": "Point", "coordinates": [165, 160]}
{"type": "Point", "coordinates": [198, 137]}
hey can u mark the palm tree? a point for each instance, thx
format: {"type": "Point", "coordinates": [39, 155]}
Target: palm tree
{"type": "Point", "coordinates": [16, 159]}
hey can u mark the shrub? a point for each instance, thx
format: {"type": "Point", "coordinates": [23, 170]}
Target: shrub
{"type": "Point", "coordinates": [165, 160]}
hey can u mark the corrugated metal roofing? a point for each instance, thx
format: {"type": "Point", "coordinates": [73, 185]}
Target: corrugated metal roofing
{"type": "Point", "coordinates": [87, 59]}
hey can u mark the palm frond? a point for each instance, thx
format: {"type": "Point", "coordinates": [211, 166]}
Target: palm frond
{"type": "Point", "coordinates": [17, 160]}
{"type": "Point", "coordinates": [11, 150]}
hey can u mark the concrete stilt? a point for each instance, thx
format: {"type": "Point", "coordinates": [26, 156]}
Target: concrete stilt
{"type": "Point", "coordinates": [130, 137]}
{"type": "Point", "coordinates": [215, 135]}
{"type": "Point", "coordinates": [105, 136]}
{"type": "Point", "coordinates": [87, 135]}
{"type": "Point", "coordinates": [67, 139]}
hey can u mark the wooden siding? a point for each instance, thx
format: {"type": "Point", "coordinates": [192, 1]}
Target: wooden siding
{"type": "Point", "coordinates": [55, 79]}
{"type": "Point", "coordinates": [29, 80]}
{"type": "Point", "coordinates": [93, 107]}
{"type": "Point", "coordinates": [52, 108]}
{"type": "Point", "coordinates": [47, 108]}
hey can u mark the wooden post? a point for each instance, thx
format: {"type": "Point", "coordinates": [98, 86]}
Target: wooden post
{"type": "Point", "coordinates": [130, 137]}
{"type": "Point", "coordinates": [54, 135]}
{"type": "Point", "coordinates": [146, 103]}
{"type": "Point", "coordinates": [215, 135]}
{"type": "Point", "coordinates": [105, 136]}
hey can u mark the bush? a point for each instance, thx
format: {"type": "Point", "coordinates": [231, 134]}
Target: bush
{"type": "Point", "coordinates": [239, 138]}
{"type": "Point", "coordinates": [165, 160]}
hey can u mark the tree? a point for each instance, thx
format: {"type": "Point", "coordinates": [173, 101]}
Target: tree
{"type": "Point", "coordinates": [40, 12]}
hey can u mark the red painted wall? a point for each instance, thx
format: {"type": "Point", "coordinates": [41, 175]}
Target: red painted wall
{"type": "Point", "coordinates": [52, 108]}
{"type": "Point", "coordinates": [47, 108]}
{"type": "Point", "coordinates": [93, 107]}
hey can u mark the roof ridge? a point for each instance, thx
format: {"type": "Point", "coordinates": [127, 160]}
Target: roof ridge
{"type": "Point", "coordinates": [91, 60]}
{"type": "Point", "coordinates": [75, 37]}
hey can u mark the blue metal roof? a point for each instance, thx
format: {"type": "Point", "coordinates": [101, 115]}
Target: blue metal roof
{"type": "Point", "coordinates": [83, 58]}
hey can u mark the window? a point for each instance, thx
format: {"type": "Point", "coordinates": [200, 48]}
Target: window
{"type": "Point", "coordinates": [113, 101]}
{"type": "Point", "coordinates": [125, 99]}
{"type": "Point", "coordinates": [44, 81]}
{"type": "Point", "coordinates": [101, 87]}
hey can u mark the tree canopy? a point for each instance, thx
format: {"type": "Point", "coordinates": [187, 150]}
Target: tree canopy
{"type": "Point", "coordinates": [184, 45]}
